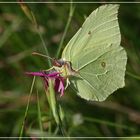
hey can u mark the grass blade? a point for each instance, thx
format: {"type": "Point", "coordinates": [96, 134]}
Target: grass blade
{"type": "Point", "coordinates": [30, 14]}
{"type": "Point", "coordinates": [27, 108]}
{"type": "Point", "coordinates": [133, 75]}
{"type": "Point", "coordinates": [39, 115]}
{"type": "Point", "coordinates": [71, 11]}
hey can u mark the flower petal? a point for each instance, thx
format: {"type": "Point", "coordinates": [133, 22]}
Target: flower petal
{"type": "Point", "coordinates": [53, 75]}
{"type": "Point", "coordinates": [61, 88]}
{"type": "Point", "coordinates": [41, 74]}
{"type": "Point", "coordinates": [45, 83]}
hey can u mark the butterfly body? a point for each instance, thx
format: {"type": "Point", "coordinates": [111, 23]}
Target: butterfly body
{"type": "Point", "coordinates": [65, 68]}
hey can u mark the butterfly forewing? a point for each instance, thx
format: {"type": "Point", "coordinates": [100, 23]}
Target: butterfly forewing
{"type": "Point", "coordinates": [100, 27]}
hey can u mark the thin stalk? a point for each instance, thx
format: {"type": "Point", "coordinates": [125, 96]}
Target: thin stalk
{"type": "Point", "coordinates": [133, 75]}
{"type": "Point", "coordinates": [55, 107]}
{"type": "Point", "coordinates": [53, 103]}
{"type": "Point", "coordinates": [71, 11]}
{"type": "Point", "coordinates": [50, 113]}
{"type": "Point", "coordinates": [44, 45]}
{"type": "Point", "coordinates": [30, 14]}
{"type": "Point", "coordinates": [27, 108]}
{"type": "Point", "coordinates": [47, 95]}
{"type": "Point", "coordinates": [39, 115]}
{"type": "Point", "coordinates": [112, 124]}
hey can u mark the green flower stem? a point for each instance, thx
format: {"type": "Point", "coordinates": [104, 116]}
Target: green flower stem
{"type": "Point", "coordinates": [55, 107]}
{"type": "Point", "coordinates": [71, 11]}
{"type": "Point", "coordinates": [53, 104]}
{"type": "Point", "coordinates": [27, 108]}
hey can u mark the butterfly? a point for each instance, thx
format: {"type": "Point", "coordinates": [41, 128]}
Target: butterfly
{"type": "Point", "coordinates": [96, 54]}
{"type": "Point", "coordinates": [93, 61]}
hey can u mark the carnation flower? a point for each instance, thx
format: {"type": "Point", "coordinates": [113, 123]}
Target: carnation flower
{"type": "Point", "coordinates": [56, 77]}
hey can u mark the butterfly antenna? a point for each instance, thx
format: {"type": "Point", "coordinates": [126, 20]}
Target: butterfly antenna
{"type": "Point", "coordinates": [39, 54]}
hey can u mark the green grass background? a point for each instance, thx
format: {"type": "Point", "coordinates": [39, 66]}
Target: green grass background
{"type": "Point", "coordinates": [119, 115]}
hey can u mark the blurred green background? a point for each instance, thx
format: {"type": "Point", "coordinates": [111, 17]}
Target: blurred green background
{"type": "Point", "coordinates": [119, 115]}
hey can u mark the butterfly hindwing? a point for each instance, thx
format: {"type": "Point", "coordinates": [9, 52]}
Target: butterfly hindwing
{"type": "Point", "coordinates": [103, 74]}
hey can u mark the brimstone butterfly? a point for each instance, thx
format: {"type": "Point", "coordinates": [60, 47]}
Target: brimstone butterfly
{"type": "Point", "coordinates": [95, 53]}
{"type": "Point", "coordinates": [93, 62]}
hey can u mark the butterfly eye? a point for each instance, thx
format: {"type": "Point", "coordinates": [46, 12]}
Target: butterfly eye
{"type": "Point", "coordinates": [55, 63]}
{"type": "Point", "coordinates": [58, 63]}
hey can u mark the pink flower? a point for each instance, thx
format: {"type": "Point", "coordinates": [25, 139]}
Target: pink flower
{"type": "Point", "coordinates": [54, 76]}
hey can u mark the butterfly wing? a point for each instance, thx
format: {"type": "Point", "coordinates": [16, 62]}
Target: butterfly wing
{"type": "Point", "coordinates": [96, 53]}
{"type": "Point", "coordinates": [101, 72]}
{"type": "Point", "coordinates": [100, 27]}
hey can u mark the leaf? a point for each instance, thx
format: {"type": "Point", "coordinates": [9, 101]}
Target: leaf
{"type": "Point", "coordinates": [95, 52]}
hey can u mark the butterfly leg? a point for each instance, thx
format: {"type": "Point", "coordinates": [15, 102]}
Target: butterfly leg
{"type": "Point", "coordinates": [67, 83]}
